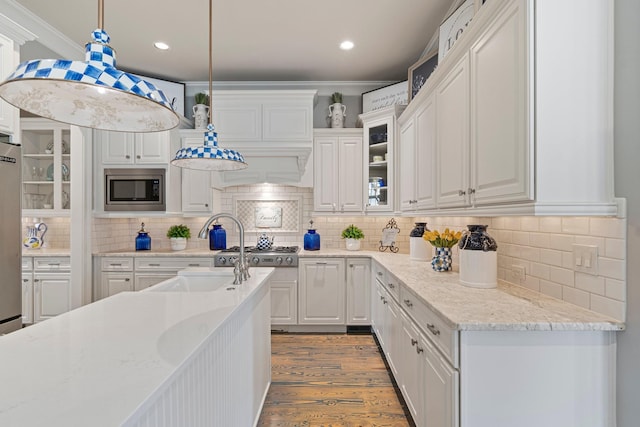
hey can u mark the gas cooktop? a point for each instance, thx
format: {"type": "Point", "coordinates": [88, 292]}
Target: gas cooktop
{"type": "Point", "coordinates": [276, 256]}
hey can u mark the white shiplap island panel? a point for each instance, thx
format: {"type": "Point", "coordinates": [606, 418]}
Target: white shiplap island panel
{"type": "Point", "coordinates": [143, 358]}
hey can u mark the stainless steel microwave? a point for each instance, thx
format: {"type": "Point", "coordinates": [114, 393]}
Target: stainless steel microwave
{"type": "Point", "coordinates": [134, 190]}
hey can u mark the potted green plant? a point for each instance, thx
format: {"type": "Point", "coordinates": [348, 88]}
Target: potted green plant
{"type": "Point", "coordinates": [337, 110]}
{"type": "Point", "coordinates": [201, 110]}
{"type": "Point", "coordinates": [178, 235]}
{"type": "Point", "coordinates": [352, 236]}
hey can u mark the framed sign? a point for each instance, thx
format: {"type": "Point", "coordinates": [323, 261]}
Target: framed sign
{"type": "Point", "coordinates": [453, 27]}
{"type": "Point", "coordinates": [384, 97]}
{"type": "Point", "coordinates": [420, 72]}
{"type": "Point", "coordinates": [268, 217]}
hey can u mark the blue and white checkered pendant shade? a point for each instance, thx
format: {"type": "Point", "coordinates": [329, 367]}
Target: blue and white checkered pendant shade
{"type": "Point", "coordinates": [92, 93]}
{"type": "Point", "coordinates": [209, 156]}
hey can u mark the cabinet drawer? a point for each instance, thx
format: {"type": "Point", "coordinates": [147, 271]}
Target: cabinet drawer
{"type": "Point", "coordinates": [443, 336]}
{"type": "Point", "coordinates": [51, 263]}
{"type": "Point", "coordinates": [117, 264]}
{"type": "Point", "coordinates": [27, 264]}
{"type": "Point", "coordinates": [393, 286]}
{"type": "Point", "coordinates": [159, 264]}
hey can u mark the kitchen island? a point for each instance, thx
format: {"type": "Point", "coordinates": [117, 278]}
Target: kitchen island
{"type": "Point", "coordinates": [143, 358]}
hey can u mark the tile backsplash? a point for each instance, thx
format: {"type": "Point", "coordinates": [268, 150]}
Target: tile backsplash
{"type": "Point", "coordinates": [57, 235]}
{"type": "Point", "coordinates": [542, 245]}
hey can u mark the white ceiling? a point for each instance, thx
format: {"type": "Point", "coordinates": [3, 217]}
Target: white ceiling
{"type": "Point", "coordinates": [256, 40]}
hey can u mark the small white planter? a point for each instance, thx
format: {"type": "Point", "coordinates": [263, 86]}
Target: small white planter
{"type": "Point", "coordinates": [178, 243]}
{"type": "Point", "coordinates": [353, 244]}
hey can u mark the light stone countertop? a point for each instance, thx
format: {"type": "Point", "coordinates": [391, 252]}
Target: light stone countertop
{"type": "Point", "coordinates": [158, 253]}
{"type": "Point", "coordinates": [508, 307]}
{"type": "Point", "coordinates": [94, 366]}
{"type": "Point", "coordinates": [41, 252]}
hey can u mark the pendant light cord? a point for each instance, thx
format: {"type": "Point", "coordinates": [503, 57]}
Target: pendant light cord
{"type": "Point", "coordinates": [101, 14]}
{"type": "Point", "coordinates": [210, 60]}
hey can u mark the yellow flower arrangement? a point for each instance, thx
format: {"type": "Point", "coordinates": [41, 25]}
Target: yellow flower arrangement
{"type": "Point", "coordinates": [445, 240]}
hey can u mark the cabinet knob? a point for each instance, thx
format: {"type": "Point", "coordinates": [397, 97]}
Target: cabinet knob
{"type": "Point", "coordinates": [392, 286]}
{"type": "Point", "coordinates": [461, 192]}
{"type": "Point", "coordinates": [379, 273]}
{"type": "Point", "coordinates": [138, 156]}
{"type": "Point", "coordinates": [408, 303]}
{"type": "Point", "coordinates": [25, 280]}
{"type": "Point", "coordinates": [127, 156]}
{"type": "Point", "coordinates": [419, 350]}
{"type": "Point", "coordinates": [206, 205]}
{"type": "Point", "coordinates": [472, 191]}
{"type": "Point", "coordinates": [127, 279]}
{"type": "Point", "coordinates": [413, 342]}
{"type": "Point", "coordinates": [36, 280]}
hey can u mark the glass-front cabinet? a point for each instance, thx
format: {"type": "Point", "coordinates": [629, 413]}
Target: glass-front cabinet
{"type": "Point", "coordinates": [379, 140]}
{"type": "Point", "coordinates": [46, 174]}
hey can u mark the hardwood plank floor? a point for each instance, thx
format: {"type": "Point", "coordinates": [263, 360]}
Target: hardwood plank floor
{"type": "Point", "coordinates": [330, 381]}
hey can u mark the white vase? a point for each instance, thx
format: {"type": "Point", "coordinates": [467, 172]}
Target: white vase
{"type": "Point", "coordinates": [178, 243]}
{"type": "Point", "coordinates": [337, 113]}
{"type": "Point", "coordinates": [201, 116]}
{"type": "Point", "coordinates": [353, 244]}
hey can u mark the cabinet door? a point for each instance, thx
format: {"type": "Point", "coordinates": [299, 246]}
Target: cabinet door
{"type": "Point", "coordinates": [378, 156]}
{"type": "Point", "coordinates": [8, 113]}
{"type": "Point", "coordinates": [452, 133]}
{"type": "Point", "coordinates": [499, 111]}
{"type": "Point", "coordinates": [284, 302]}
{"type": "Point", "coordinates": [117, 147]}
{"type": "Point", "coordinates": [114, 282]}
{"type": "Point", "coordinates": [145, 280]}
{"type": "Point", "coordinates": [378, 302]}
{"type": "Point", "coordinates": [350, 176]}
{"type": "Point", "coordinates": [27, 298]}
{"type": "Point", "coordinates": [51, 295]}
{"type": "Point", "coordinates": [196, 185]}
{"type": "Point", "coordinates": [406, 146]}
{"type": "Point", "coordinates": [425, 155]}
{"type": "Point", "coordinates": [411, 370]}
{"type": "Point", "coordinates": [441, 383]}
{"type": "Point", "coordinates": [152, 147]}
{"type": "Point", "coordinates": [393, 334]}
{"type": "Point", "coordinates": [322, 292]}
{"type": "Point", "coordinates": [325, 174]}
{"type": "Point", "coordinates": [358, 292]}
{"type": "Point", "coordinates": [237, 120]}
{"type": "Point", "coordinates": [287, 121]}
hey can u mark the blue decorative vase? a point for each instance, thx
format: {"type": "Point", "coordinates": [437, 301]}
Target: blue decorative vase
{"type": "Point", "coordinates": [143, 240]}
{"type": "Point", "coordinates": [442, 260]}
{"type": "Point", "coordinates": [217, 238]}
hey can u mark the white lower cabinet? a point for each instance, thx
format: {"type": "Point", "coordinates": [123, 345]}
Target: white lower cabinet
{"type": "Point", "coordinates": [358, 291]}
{"type": "Point", "coordinates": [119, 274]}
{"type": "Point", "coordinates": [321, 297]}
{"type": "Point", "coordinates": [284, 296]}
{"type": "Point", "coordinates": [46, 288]}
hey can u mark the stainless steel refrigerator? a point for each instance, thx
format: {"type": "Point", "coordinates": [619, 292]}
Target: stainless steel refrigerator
{"type": "Point", "coordinates": [10, 236]}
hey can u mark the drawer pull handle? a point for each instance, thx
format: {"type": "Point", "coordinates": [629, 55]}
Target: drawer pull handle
{"type": "Point", "coordinates": [392, 286]}
{"type": "Point", "coordinates": [413, 342]}
{"type": "Point", "coordinates": [154, 265]}
{"type": "Point", "coordinates": [408, 303]}
{"type": "Point", "coordinates": [54, 264]}
{"type": "Point", "coordinates": [384, 300]}
{"type": "Point", "coordinates": [433, 329]}
{"type": "Point", "coordinates": [25, 280]}
{"type": "Point", "coordinates": [126, 279]}
{"type": "Point", "coordinates": [379, 273]}
{"type": "Point", "coordinates": [321, 263]}
{"type": "Point", "coordinates": [194, 265]}
{"type": "Point", "coordinates": [419, 350]}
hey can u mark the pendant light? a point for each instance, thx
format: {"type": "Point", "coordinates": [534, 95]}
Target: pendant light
{"type": "Point", "coordinates": [209, 156]}
{"type": "Point", "coordinates": [91, 93]}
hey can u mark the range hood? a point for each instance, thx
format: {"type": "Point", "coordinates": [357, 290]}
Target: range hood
{"type": "Point", "coordinates": [275, 165]}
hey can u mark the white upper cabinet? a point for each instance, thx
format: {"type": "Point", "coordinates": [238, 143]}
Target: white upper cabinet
{"type": "Point", "coordinates": [337, 170]}
{"type": "Point", "coordinates": [123, 148]}
{"type": "Point", "coordinates": [9, 115]}
{"type": "Point", "coordinates": [523, 113]}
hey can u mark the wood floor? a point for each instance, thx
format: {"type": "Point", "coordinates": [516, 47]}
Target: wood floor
{"type": "Point", "coordinates": [330, 381]}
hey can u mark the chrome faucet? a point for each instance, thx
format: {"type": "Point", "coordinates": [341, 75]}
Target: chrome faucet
{"type": "Point", "coordinates": [241, 266]}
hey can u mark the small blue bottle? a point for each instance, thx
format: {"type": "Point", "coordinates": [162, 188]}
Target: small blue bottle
{"type": "Point", "coordinates": [311, 239]}
{"type": "Point", "coordinates": [217, 238]}
{"type": "Point", "coordinates": [143, 240]}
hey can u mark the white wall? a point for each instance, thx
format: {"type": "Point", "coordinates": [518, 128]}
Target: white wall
{"type": "Point", "coordinates": [627, 156]}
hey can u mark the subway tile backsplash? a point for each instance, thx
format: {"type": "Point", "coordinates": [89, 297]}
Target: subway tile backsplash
{"type": "Point", "coordinates": [542, 245]}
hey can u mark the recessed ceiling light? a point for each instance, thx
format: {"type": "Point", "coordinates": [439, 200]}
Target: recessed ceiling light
{"type": "Point", "coordinates": [161, 45]}
{"type": "Point", "coordinates": [346, 45]}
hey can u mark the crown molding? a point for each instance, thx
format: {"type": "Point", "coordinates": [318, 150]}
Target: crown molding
{"type": "Point", "coordinates": [34, 28]}
{"type": "Point", "coordinates": [324, 88]}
